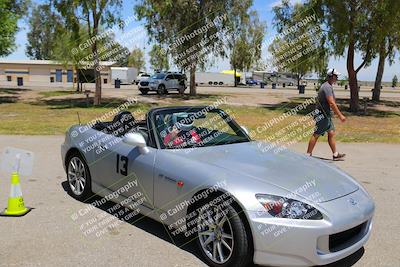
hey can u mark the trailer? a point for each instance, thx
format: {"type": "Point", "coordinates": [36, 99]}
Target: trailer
{"type": "Point", "coordinates": [125, 74]}
{"type": "Point", "coordinates": [214, 79]}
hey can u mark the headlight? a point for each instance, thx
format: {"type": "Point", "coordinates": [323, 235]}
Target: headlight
{"type": "Point", "coordinates": [282, 207]}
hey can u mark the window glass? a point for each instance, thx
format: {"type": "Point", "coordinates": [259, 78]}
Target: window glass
{"type": "Point", "coordinates": [184, 129]}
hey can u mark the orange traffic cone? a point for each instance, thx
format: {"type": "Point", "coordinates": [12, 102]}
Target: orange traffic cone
{"type": "Point", "coordinates": [16, 206]}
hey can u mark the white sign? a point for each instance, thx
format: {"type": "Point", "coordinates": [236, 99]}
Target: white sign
{"type": "Point", "coordinates": [17, 160]}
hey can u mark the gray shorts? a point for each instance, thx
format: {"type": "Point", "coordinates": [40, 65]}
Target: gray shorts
{"type": "Point", "coordinates": [323, 124]}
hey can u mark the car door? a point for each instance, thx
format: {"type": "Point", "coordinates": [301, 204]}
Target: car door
{"type": "Point", "coordinates": [120, 165]}
{"type": "Point", "coordinates": [177, 79]}
{"type": "Point", "coordinates": [171, 187]}
{"type": "Point", "coordinates": [169, 81]}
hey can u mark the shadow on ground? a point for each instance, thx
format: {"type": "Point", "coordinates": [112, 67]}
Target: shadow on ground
{"type": "Point", "coordinates": [81, 102]}
{"type": "Point", "coordinates": [11, 95]}
{"type": "Point", "coordinates": [13, 91]}
{"type": "Point", "coordinates": [177, 96]}
{"type": "Point", "coordinates": [372, 108]}
{"type": "Point", "coordinates": [8, 99]}
{"type": "Point", "coordinates": [181, 241]}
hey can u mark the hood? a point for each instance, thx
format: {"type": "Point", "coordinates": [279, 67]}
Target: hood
{"type": "Point", "coordinates": [302, 175]}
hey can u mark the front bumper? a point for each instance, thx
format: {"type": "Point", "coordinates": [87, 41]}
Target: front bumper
{"type": "Point", "coordinates": [153, 86]}
{"type": "Point", "coordinates": [143, 87]}
{"type": "Point", "coordinates": [284, 242]}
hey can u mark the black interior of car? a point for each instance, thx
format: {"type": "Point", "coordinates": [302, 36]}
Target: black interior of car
{"type": "Point", "coordinates": [123, 123]}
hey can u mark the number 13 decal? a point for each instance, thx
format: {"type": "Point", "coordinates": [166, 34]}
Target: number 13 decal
{"type": "Point", "coordinates": [122, 165]}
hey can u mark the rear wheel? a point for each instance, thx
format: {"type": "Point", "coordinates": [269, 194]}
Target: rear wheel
{"type": "Point", "coordinates": [78, 175]}
{"type": "Point", "coordinates": [222, 237]}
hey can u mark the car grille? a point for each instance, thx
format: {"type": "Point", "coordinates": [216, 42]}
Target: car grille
{"type": "Point", "coordinates": [346, 238]}
{"type": "Point", "coordinates": [144, 83]}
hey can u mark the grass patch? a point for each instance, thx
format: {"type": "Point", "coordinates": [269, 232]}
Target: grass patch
{"type": "Point", "coordinates": [28, 119]}
{"type": "Point", "coordinates": [57, 93]}
{"type": "Point", "coordinates": [55, 116]}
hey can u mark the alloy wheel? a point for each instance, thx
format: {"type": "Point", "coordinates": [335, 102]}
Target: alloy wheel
{"type": "Point", "coordinates": [215, 234]}
{"type": "Point", "coordinates": [76, 175]}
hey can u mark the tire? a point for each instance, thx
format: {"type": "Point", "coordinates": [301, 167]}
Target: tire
{"type": "Point", "coordinates": [161, 89]}
{"type": "Point", "coordinates": [81, 170]}
{"type": "Point", "coordinates": [181, 91]}
{"type": "Point", "coordinates": [233, 233]}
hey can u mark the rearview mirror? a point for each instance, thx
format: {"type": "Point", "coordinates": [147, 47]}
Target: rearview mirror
{"type": "Point", "coordinates": [136, 139]}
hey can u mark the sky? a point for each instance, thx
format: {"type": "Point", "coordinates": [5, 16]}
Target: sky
{"type": "Point", "coordinates": [264, 9]}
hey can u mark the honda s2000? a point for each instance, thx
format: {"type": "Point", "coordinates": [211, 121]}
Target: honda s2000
{"type": "Point", "coordinates": [201, 175]}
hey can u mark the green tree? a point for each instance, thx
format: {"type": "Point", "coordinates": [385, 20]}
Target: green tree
{"type": "Point", "coordinates": [66, 52]}
{"type": "Point", "coordinates": [66, 42]}
{"type": "Point", "coordinates": [93, 14]}
{"type": "Point", "coordinates": [300, 49]}
{"type": "Point", "coordinates": [182, 27]}
{"type": "Point", "coordinates": [10, 12]}
{"type": "Point", "coordinates": [44, 27]}
{"type": "Point", "coordinates": [347, 27]}
{"type": "Point", "coordinates": [158, 58]}
{"type": "Point", "coordinates": [343, 81]}
{"type": "Point", "coordinates": [386, 38]}
{"type": "Point", "coordinates": [136, 59]}
{"type": "Point", "coordinates": [394, 81]}
{"type": "Point", "coordinates": [246, 47]}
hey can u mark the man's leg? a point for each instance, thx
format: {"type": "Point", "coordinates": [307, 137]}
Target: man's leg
{"type": "Point", "coordinates": [332, 144]}
{"type": "Point", "coordinates": [332, 141]}
{"type": "Point", "coordinates": [311, 143]}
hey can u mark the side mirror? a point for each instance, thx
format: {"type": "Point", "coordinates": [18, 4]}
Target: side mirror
{"type": "Point", "coordinates": [245, 130]}
{"type": "Point", "coordinates": [136, 139]}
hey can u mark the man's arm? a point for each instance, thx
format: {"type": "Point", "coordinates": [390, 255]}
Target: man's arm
{"type": "Point", "coordinates": [334, 107]}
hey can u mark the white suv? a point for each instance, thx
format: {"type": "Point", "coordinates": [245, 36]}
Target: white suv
{"type": "Point", "coordinates": [165, 82]}
{"type": "Point", "coordinates": [141, 77]}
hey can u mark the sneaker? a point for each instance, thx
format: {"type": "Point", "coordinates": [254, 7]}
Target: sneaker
{"type": "Point", "coordinates": [339, 156]}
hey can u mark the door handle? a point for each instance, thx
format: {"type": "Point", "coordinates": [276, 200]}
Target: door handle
{"type": "Point", "coordinates": [167, 178]}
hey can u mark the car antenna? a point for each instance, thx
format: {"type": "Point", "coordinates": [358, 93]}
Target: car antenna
{"type": "Point", "coordinates": [79, 118]}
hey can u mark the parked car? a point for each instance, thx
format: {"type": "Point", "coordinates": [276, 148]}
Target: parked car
{"type": "Point", "coordinates": [143, 85]}
{"type": "Point", "coordinates": [198, 172]}
{"type": "Point", "coordinates": [251, 82]}
{"type": "Point", "coordinates": [162, 83]}
{"type": "Point", "coordinates": [141, 76]}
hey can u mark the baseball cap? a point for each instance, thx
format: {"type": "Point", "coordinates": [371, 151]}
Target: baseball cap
{"type": "Point", "coordinates": [333, 71]}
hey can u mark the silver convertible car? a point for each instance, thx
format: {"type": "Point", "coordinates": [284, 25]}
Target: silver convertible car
{"type": "Point", "coordinates": [198, 172]}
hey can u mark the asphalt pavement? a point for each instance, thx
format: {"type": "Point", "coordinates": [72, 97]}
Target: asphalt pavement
{"type": "Point", "coordinates": [50, 235]}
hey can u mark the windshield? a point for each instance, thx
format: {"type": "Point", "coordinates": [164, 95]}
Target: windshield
{"type": "Point", "coordinates": [197, 128]}
{"type": "Point", "coordinates": [158, 76]}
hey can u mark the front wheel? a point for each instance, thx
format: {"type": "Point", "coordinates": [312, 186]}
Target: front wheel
{"type": "Point", "coordinates": [222, 237]}
{"type": "Point", "coordinates": [161, 89]}
{"type": "Point", "coordinates": [78, 175]}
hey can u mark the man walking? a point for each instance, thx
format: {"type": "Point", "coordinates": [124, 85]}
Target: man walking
{"type": "Point", "coordinates": [326, 103]}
